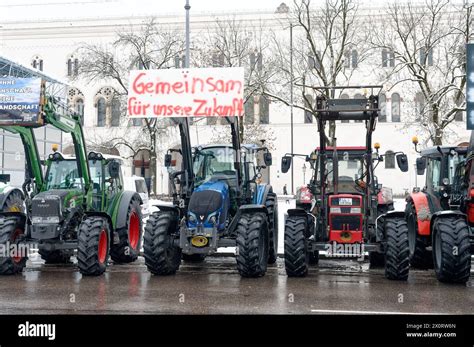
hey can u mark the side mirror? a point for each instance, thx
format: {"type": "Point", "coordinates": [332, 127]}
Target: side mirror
{"type": "Point", "coordinates": [5, 178]}
{"type": "Point", "coordinates": [114, 169]}
{"type": "Point", "coordinates": [167, 160]}
{"type": "Point", "coordinates": [267, 159]}
{"type": "Point", "coordinates": [420, 165]}
{"type": "Point", "coordinates": [402, 162]}
{"type": "Point", "coordinates": [286, 163]}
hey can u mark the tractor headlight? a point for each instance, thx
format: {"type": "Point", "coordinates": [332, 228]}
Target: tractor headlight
{"type": "Point", "coordinates": [192, 218]}
{"type": "Point", "coordinates": [335, 210]}
{"type": "Point", "coordinates": [213, 219]}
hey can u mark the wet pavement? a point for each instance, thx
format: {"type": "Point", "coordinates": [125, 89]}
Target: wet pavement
{"type": "Point", "coordinates": [215, 287]}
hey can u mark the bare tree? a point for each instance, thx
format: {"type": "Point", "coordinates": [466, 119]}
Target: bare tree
{"type": "Point", "coordinates": [328, 48]}
{"type": "Point", "coordinates": [150, 46]}
{"type": "Point", "coordinates": [424, 48]}
{"type": "Point", "coordinates": [234, 43]}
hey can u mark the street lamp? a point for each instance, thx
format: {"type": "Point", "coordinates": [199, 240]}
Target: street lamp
{"type": "Point", "coordinates": [304, 172]}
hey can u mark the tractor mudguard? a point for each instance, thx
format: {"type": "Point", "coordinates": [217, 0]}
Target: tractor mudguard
{"type": "Point", "coordinates": [6, 193]}
{"type": "Point", "coordinates": [253, 208]}
{"type": "Point", "coordinates": [262, 193]}
{"type": "Point", "coordinates": [423, 212]}
{"type": "Point", "coordinates": [448, 213]}
{"type": "Point", "coordinates": [121, 219]}
{"type": "Point", "coordinates": [297, 212]}
{"type": "Point", "coordinates": [168, 208]}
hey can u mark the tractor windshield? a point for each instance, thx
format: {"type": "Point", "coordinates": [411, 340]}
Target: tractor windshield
{"type": "Point", "coordinates": [351, 172]}
{"type": "Point", "coordinates": [63, 174]}
{"type": "Point", "coordinates": [214, 163]}
{"type": "Point", "coordinates": [454, 160]}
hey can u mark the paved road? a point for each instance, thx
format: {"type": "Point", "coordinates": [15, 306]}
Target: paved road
{"type": "Point", "coordinates": [213, 287]}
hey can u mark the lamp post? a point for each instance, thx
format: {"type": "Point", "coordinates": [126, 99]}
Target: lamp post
{"type": "Point", "coordinates": [291, 106]}
{"type": "Point", "coordinates": [304, 172]}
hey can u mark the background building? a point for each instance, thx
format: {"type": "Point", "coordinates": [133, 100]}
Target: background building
{"type": "Point", "coordinates": [49, 43]}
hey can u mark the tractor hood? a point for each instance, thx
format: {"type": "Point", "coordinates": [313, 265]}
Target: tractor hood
{"type": "Point", "coordinates": [66, 197]}
{"type": "Point", "coordinates": [208, 198]}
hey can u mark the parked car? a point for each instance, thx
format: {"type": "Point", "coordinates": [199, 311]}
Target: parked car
{"type": "Point", "coordinates": [138, 184]}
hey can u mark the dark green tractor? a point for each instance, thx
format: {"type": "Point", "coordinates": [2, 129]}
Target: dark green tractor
{"type": "Point", "coordinates": [79, 204]}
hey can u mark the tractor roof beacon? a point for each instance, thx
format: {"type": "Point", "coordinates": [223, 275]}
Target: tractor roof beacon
{"type": "Point", "coordinates": [219, 203]}
{"type": "Point", "coordinates": [350, 211]}
{"type": "Point", "coordinates": [440, 216]}
{"type": "Point", "coordinates": [78, 205]}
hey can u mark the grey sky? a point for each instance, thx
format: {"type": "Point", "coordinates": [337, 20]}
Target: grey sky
{"type": "Point", "coordinates": [70, 9]}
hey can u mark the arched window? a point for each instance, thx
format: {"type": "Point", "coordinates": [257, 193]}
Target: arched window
{"type": "Point", "coordinates": [37, 63]}
{"type": "Point", "coordinates": [308, 103]}
{"type": "Point", "coordinates": [264, 110]}
{"type": "Point", "coordinates": [458, 117]}
{"type": "Point", "coordinates": [72, 66]}
{"type": "Point", "coordinates": [359, 96]}
{"type": "Point", "coordinates": [79, 109]}
{"type": "Point", "coordinates": [419, 106]}
{"type": "Point", "coordinates": [344, 96]}
{"type": "Point", "coordinates": [389, 160]}
{"type": "Point", "coordinates": [249, 110]}
{"type": "Point", "coordinates": [396, 107]}
{"type": "Point", "coordinates": [115, 112]}
{"type": "Point", "coordinates": [388, 58]}
{"type": "Point", "coordinates": [101, 107]}
{"type": "Point", "coordinates": [383, 108]}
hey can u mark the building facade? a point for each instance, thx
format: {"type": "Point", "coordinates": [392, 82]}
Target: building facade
{"type": "Point", "coordinates": [50, 46]}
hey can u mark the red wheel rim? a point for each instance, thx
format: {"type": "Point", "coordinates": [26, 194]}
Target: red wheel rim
{"type": "Point", "coordinates": [18, 232]}
{"type": "Point", "coordinates": [102, 246]}
{"type": "Point", "coordinates": [134, 230]}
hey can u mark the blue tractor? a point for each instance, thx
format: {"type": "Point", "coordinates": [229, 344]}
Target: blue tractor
{"type": "Point", "coordinates": [217, 202]}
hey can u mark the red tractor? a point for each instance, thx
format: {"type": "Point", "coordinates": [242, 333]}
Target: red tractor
{"type": "Point", "coordinates": [440, 214]}
{"type": "Point", "coordinates": [350, 210]}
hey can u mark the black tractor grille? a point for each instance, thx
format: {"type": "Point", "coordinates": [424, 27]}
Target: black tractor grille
{"type": "Point", "coordinates": [45, 207]}
{"type": "Point", "coordinates": [346, 223]}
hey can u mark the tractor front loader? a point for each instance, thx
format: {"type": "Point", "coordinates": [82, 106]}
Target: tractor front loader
{"type": "Point", "coordinates": [218, 204]}
{"type": "Point", "coordinates": [350, 210]}
{"type": "Point", "coordinates": [78, 205]}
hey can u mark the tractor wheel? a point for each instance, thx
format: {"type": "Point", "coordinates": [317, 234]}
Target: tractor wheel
{"type": "Point", "coordinates": [419, 257]}
{"type": "Point", "coordinates": [14, 203]}
{"type": "Point", "coordinates": [397, 253]}
{"type": "Point", "coordinates": [194, 258]}
{"type": "Point", "coordinates": [10, 229]}
{"type": "Point", "coordinates": [252, 244]}
{"type": "Point", "coordinates": [93, 245]}
{"type": "Point", "coordinates": [55, 257]}
{"type": "Point", "coordinates": [272, 209]}
{"type": "Point", "coordinates": [130, 237]}
{"type": "Point", "coordinates": [296, 247]}
{"type": "Point", "coordinates": [451, 249]}
{"type": "Point", "coordinates": [162, 257]}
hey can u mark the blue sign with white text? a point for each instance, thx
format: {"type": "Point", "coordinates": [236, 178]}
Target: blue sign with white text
{"type": "Point", "coordinates": [20, 101]}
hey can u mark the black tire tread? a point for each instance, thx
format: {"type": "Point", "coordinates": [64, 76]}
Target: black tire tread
{"type": "Point", "coordinates": [272, 209]}
{"type": "Point", "coordinates": [296, 253]}
{"type": "Point", "coordinates": [7, 226]}
{"type": "Point", "coordinates": [455, 268]}
{"type": "Point", "coordinates": [397, 253]}
{"type": "Point", "coordinates": [88, 244]}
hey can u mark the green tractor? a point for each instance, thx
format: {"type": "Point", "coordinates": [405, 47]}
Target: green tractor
{"type": "Point", "coordinates": [79, 204]}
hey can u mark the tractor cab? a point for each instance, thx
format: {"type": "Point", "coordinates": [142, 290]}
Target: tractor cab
{"type": "Point", "coordinates": [444, 169]}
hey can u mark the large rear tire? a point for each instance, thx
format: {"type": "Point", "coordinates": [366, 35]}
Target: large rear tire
{"type": "Point", "coordinates": [162, 257]}
{"type": "Point", "coordinates": [272, 209]}
{"type": "Point", "coordinates": [11, 228]}
{"type": "Point", "coordinates": [93, 245]}
{"type": "Point", "coordinates": [55, 257]}
{"type": "Point", "coordinates": [451, 249]}
{"type": "Point", "coordinates": [419, 257]}
{"type": "Point", "coordinates": [397, 253]}
{"type": "Point", "coordinates": [296, 247]}
{"type": "Point", "coordinates": [130, 237]}
{"type": "Point", "coordinates": [14, 202]}
{"type": "Point", "coordinates": [252, 244]}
